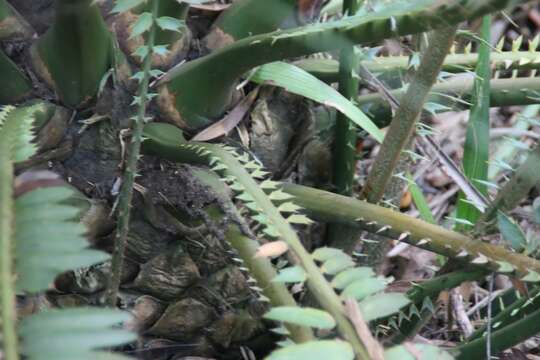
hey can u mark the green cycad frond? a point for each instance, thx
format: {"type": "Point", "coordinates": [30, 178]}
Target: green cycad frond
{"type": "Point", "coordinates": [73, 334]}
{"type": "Point", "coordinates": [48, 240]}
{"type": "Point", "coordinates": [41, 236]}
{"type": "Point", "coordinates": [275, 211]}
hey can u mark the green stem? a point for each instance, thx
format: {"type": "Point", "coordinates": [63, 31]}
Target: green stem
{"type": "Point", "coordinates": [402, 129]}
{"type": "Point", "coordinates": [404, 123]}
{"type": "Point", "coordinates": [7, 275]}
{"type": "Point", "coordinates": [345, 134]}
{"type": "Point", "coordinates": [328, 69]}
{"type": "Point", "coordinates": [174, 9]}
{"type": "Point", "coordinates": [200, 90]}
{"type": "Point", "coordinates": [455, 94]}
{"type": "Point", "coordinates": [164, 140]}
{"type": "Point", "coordinates": [75, 52]}
{"type": "Point", "coordinates": [502, 339]}
{"type": "Point", "coordinates": [433, 287]}
{"type": "Point", "coordinates": [327, 206]}
{"type": "Point", "coordinates": [126, 191]}
{"type": "Point", "coordinates": [263, 271]}
{"type": "Point", "coordinates": [344, 147]}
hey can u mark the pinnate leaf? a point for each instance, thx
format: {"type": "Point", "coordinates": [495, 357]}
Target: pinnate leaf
{"type": "Point", "coordinates": [49, 239]}
{"type": "Point", "coordinates": [170, 23]}
{"type": "Point", "coordinates": [511, 232]}
{"type": "Point", "coordinates": [69, 334]}
{"type": "Point", "coordinates": [421, 352]}
{"type": "Point", "coordinates": [125, 5]}
{"type": "Point", "coordinates": [325, 253]}
{"type": "Point", "coordinates": [315, 350]}
{"type": "Point", "coordinates": [143, 23]}
{"type": "Point", "coordinates": [345, 278]}
{"type": "Point", "coordinates": [291, 274]}
{"type": "Point", "coordinates": [381, 305]}
{"type": "Point", "coordinates": [302, 316]}
{"type": "Point", "coordinates": [360, 289]}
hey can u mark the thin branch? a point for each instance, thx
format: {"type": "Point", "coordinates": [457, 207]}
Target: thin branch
{"type": "Point", "coordinates": [461, 315]}
{"type": "Point", "coordinates": [489, 320]}
{"type": "Point", "coordinates": [126, 192]}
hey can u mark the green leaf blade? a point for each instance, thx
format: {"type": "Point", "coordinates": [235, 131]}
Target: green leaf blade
{"type": "Point", "coordinates": [302, 316]}
{"type": "Point", "coordinates": [360, 289]}
{"type": "Point", "coordinates": [170, 23]}
{"type": "Point", "coordinates": [476, 148]}
{"type": "Point", "coordinates": [142, 25]}
{"type": "Point", "coordinates": [381, 305]}
{"type": "Point", "coordinates": [511, 232]}
{"type": "Point", "coordinates": [291, 274]}
{"type": "Point", "coordinates": [300, 82]}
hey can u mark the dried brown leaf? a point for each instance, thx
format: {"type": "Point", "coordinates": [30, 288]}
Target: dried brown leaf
{"type": "Point", "coordinates": [223, 126]}
{"type": "Point", "coordinates": [33, 179]}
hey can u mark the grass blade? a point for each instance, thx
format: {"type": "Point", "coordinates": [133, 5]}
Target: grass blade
{"type": "Point", "coordinates": [300, 82]}
{"type": "Point", "coordinates": [476, 151]}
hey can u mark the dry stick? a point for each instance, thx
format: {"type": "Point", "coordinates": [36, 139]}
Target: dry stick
{"type": "Point", "coordinates": [126, 192]}
{"type": "Point", "coordinates": [485, 301]}
{"type": "Point", "coordinates": [403, 126]}
{"type": "Point", "coordinates": [489, 319]}
{"type": "Point", "coordinates": [374, 348]}
{"type": "Point", "coordinates": [461, 315]}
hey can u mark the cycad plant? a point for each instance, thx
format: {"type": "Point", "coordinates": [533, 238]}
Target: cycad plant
{"type": "Point", "coordinates": [38, 228]}
{"type": "Point", "coordinates": [216, 244]}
